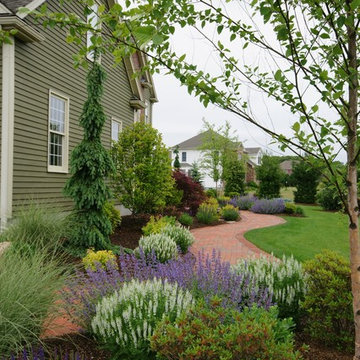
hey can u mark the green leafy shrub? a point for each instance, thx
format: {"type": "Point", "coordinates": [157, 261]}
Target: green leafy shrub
{"type": "Point", "coordinates": [284, 278]}
{"type": "Point", "coordinates": [156, 224]}
{"type": "Point", "coordinates": [207, 213]}
{"type": "Point", "coordinates": [230, 213]}
{"type": "Point", "coordinates": [162, 245]}
{"type": "Point", "coordinates": [181, 235]}
{"type": "Point", "coordinates": [102, 258]}
{"type": "Point", "coordinates": [215, 333]}
{"type": "Point", "coordinates": [328, 198]}
{"type": "Point", "coordinates": [185, 219]}
{"type": "Point", "coordinates": [143, 179]}
{"type": "Point", "coordinates": [290, 208]}
{"type": "Point", "coordinates": [38, 226]}
{"type": "Point", "coordinates": [223, 200]}
{"type": "Point", "coordinates": [270, 176]}
{"type": "Point", "coordinates": [235, 178]}
{"type": "Point", "coordinates": [306, 180]}
{"type": "Point", "coordinates": [30, 283]}
{"type": "Point", "coordinates": [299, 211]}
{"type": "Point", "coordinates": [113, 214]}
{"type": "Point", "coordinates": [125, 320]}
{"type": "Point", "coordinates": [211, 193]}
{"type": "Point", "coordinates": [328, 301]}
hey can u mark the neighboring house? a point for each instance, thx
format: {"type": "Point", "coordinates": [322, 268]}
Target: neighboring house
{"type": "Point", "coordinates": [42, 96]}
{"type": "Point", "coordinates": [189, 153]}
{"type": "Point", "coordinates": [287, 166]}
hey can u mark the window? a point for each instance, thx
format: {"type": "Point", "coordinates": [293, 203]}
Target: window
{"type": "Point", "coordinates": [183, 156]}
{"type": "Point", "coordinates": [147, 112]}
{"type": "Point", "coordinates": [92, 19]}
{"type": "Point", "coordinates": [137, 114]}
{"type": "Point", "coordinates": [116, 128]}
{"type": "Point", "coordinates": [58, 133]}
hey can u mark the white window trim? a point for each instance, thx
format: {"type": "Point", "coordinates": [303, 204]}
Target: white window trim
{"type": "Point", "coordinates": [147, 112]}
{"type": "Point", "coordinates": [115, 119]}
{"type": "Point", "coordinates": [64, 169]}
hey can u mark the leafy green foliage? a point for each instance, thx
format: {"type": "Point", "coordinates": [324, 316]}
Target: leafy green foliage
{"type": "Point", "coordinates": [181, 235]}
{"type": "Point", "coordinates": [113, 214]}
{"type": "Point", "coordinates": [235, 178]}
{"type": "Point", "coordinates": [305, 179]}
{"type": "Point", "coordinates": [207, 213]}
{"type": "Point", "coordinates": [270, 176]}
{"type": "Point", "coordinates": [30, 283]}
{"type": "Point", "coordinates": [185, 219]}
{"type": "Point", "coordinates": [156, 224]}
{"type": "Point", "coordinates": [90, 165]}
{"type": "Point", "coordinates": [329, 199]}
{"type": "Point", "coordinates": [290, 208]}
{"type": "Point", "coordinates": [213, 333]}
{"type": "Point", "coordinates": [142, 181]}
{"type": "Point", "coordinates": [328, 301]}
{"type": "Point", "coordinates": [230, 213]}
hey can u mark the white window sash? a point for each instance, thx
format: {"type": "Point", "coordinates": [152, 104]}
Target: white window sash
{"type": "Point", "coordinates": [64, 167]}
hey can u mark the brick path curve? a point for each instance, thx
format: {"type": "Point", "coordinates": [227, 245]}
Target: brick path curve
{"type": "Point", "coordinates": [229, 238]}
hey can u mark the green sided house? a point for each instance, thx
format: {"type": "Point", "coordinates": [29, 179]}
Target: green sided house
{"type": "Point", "coordinates": [41, 101]}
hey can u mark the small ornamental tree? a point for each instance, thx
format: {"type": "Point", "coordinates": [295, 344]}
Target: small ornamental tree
{"type": "Point", "coordinates": [90, 166]}
{"type": "Point", "coordinates": [306, 179]}
{"type": "Point", "coordinates": [235, 180]}
{"type": "Point", "coordinates": [176, 161]}
{"type": "Point", "coordinates": [195, 173]}
{"type": "Point", "coordinates": [142, 180]}
{"type": "Point", "coordinates": [270, 176]}
{"type": "Point", "coordinates": [192, 192]}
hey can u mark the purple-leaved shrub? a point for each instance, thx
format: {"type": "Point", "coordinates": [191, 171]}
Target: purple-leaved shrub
{"type": "Point", "coordinates": [268, 206]}
{"type": "Point", "coordinates": [205, 276]}
{"type": "Point", "coordinates": [40, 354]}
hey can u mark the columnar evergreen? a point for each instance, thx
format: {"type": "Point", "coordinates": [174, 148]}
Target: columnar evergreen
{"type": "Point", "coordinates": [176, 161]}
{"type": "Point", "coordinates": [90, 165]}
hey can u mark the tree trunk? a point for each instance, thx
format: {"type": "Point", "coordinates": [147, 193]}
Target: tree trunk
{"type": "Point", "coordinates": [353, 210]}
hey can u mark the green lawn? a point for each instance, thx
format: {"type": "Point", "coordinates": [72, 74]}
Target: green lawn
{"type": "Point", "coordinates": [304, 237]}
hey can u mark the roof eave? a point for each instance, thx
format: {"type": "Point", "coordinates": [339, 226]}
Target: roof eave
{"type": "Point", "coordinates": [25, 32]}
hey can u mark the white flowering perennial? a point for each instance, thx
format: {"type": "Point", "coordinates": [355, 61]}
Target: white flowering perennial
{"type": "Point", "coordinates": [181, 235]}
{"type": "Point", "coordinates": [163, 246]}
{"type": "Point", "coordinates": [127, 318]}
{"type": "Point", "coordinates": [284, 278]}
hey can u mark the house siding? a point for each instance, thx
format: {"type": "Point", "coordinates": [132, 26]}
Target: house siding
{"type": "Point", "coordinates": [40, 67]}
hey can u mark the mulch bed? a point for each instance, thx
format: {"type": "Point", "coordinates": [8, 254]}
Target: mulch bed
{"type": "Point", "coordinates": [129, 232]}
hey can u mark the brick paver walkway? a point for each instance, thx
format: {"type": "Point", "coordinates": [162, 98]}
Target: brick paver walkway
{"type": "Point", "coordinates": [229, 238]}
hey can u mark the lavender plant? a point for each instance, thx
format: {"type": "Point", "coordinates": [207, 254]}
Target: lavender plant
{"type": "Point", "coordinates": [125, 320]}
{"type": "Point", "coordinates": [243, 202]}
{"type": "Point", "coordinates": [268, 206]}
{"type": "Point", "coordinates": [205, 276]}
{"type": "Point", "coordinates": [40, 354]}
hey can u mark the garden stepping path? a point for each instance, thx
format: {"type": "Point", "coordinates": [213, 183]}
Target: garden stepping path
{"type": "Point", "coordinates": [229, 238]}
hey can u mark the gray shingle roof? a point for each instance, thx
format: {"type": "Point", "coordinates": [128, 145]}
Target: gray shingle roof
{"type": "Point", "coordinates": [14, 5]}
{"type": "Point", "coordinates": [253, 150]}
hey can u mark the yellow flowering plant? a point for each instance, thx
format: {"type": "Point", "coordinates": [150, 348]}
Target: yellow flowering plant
{"type": "Point", "coordinates": [94, 258]}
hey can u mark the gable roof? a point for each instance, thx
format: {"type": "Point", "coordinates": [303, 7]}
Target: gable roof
{"type": "Point", "coordinates": [196, 141]}
{"type": "Point", "coordinates": [253, 150]}
{"type": "Point", "coordinates": [14, 5]}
